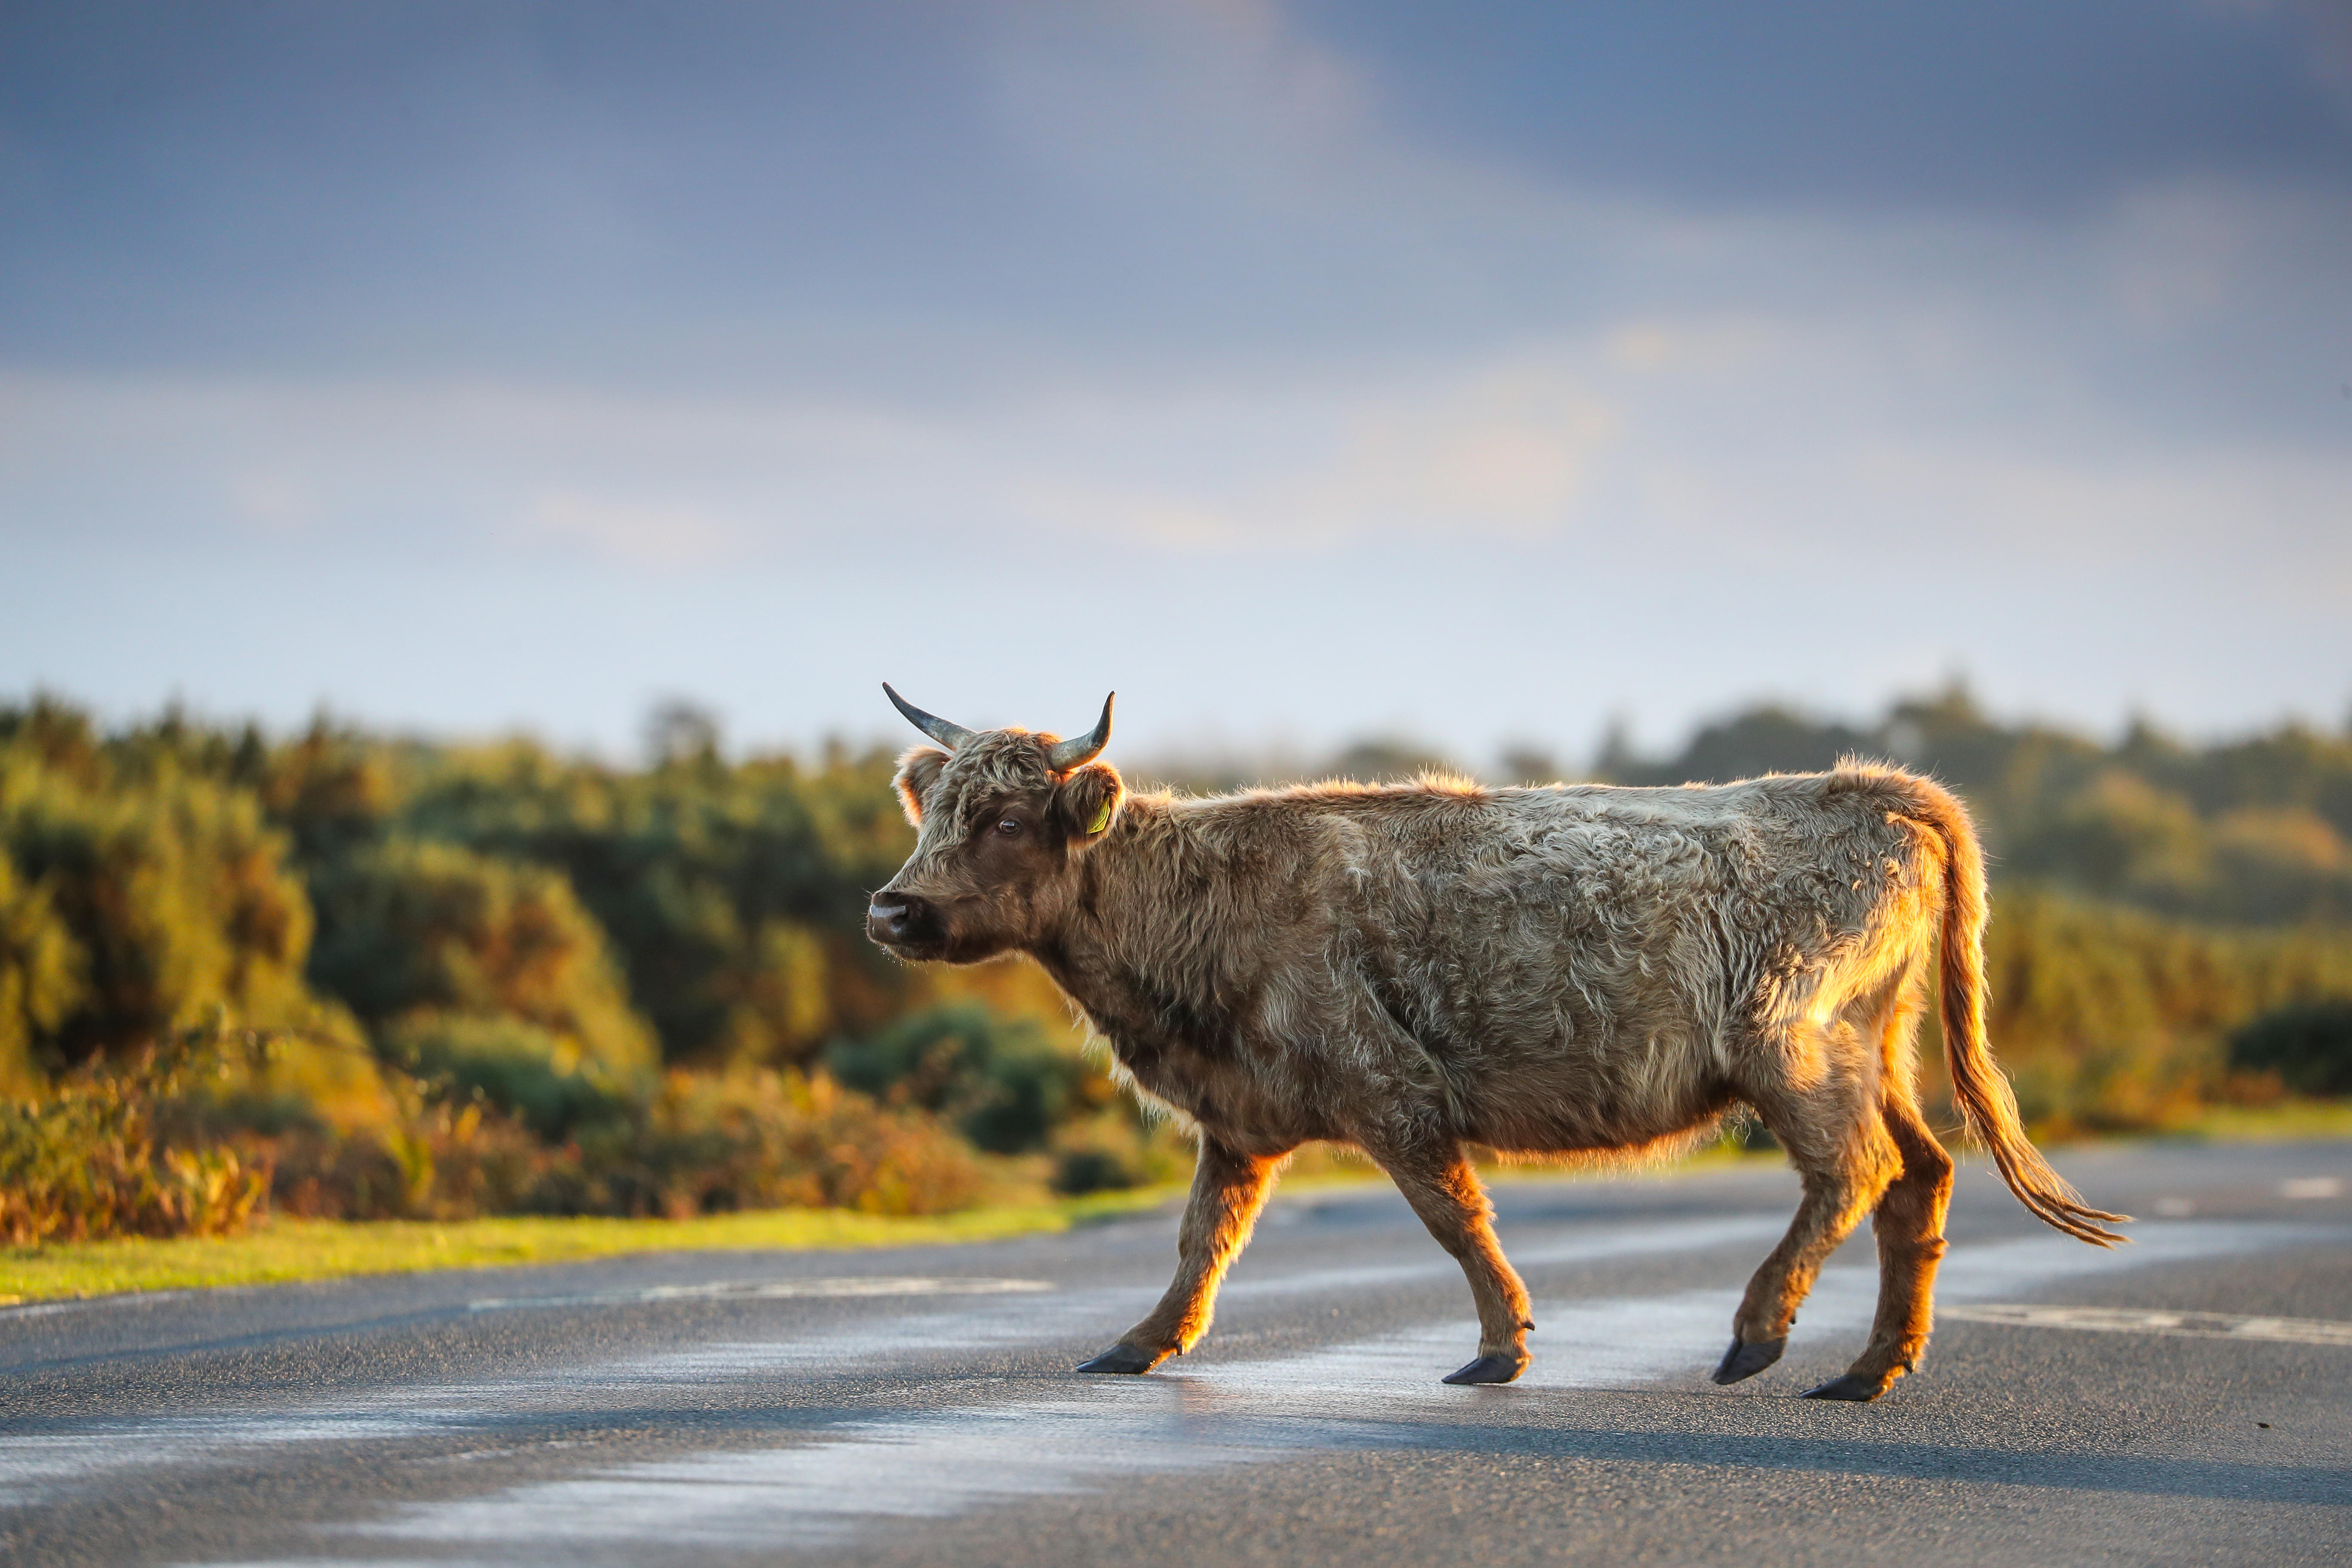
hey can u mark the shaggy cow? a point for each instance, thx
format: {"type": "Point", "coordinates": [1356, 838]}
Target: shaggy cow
{"type": "Point", "coordinates": [1414, 968]}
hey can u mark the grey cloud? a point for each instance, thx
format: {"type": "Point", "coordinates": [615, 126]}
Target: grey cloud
{"type": "Point", "coordinates": [2014, 106]}
{"type": "Point", "coordinates": [906, 194]}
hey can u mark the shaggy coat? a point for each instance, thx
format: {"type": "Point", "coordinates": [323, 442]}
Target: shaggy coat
{"type": "Point", "coordinates": [1413, 969]}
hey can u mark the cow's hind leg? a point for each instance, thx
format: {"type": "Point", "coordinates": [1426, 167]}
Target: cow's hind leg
{"type": "Point", "coordinates": [1847, 1157]}
{"type": "Point", "coordinates": [1229, 1188]}
{"type": "Point", "coordinates": [1910, 1228]}
{"type": "Point", "coordinates": [1446, 1194]}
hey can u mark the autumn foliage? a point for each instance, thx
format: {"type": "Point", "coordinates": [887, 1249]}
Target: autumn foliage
{"type": "Point", "coordinates": [360, 975]}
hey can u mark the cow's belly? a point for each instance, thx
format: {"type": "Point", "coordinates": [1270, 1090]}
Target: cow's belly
{"type": "Point", "coordinates": [1549, 1066]}
{"type": "Point", "coordinates": [1537, 1112]}
{"type": "Point", "coordinates": [1249, 1097]}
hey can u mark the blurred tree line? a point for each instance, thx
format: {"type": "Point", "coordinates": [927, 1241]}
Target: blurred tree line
{"type": "Point", "coordinates": [423, 980]}
{"type": "Point", "coordinates": [362, 976]}
{"type": "Point", "coordinates": [2252, 832]}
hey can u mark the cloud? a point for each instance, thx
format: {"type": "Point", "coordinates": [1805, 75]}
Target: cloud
{"type": "Point", "coordinates": [274, 500]}
{"type": "Point", "coordinates": [2004, 108]}
{"type": "Point", "coordinates": [634, 533]}
{"type": "Point", "coordinates": [1505, 454]}
{"type": "Point", "coordinates": [2254, 526]}
{"type": "Point", "coordinates": [1687, 348]}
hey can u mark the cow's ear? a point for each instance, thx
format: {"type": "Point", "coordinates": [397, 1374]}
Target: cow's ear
{"type": "Point", "coordinates": [919, 770]}
{"type": "Point", "coordinates": [1088, 802]}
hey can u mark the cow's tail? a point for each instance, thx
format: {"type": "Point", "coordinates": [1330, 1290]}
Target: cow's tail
{"type": "Point", "coordinates": [1979, 1085]}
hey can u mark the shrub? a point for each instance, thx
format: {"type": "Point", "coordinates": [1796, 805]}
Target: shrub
{"type": "Point", "coordinates": [734, 895]}
{"type": "Point", "coordinates": [439, 1162]}
{"type": "Point", "coordinates": [759, 1138]}
{"type": "Point", "coordinates": [2308, 1046]}
{"type": "Point", "coordinates": [85, 1163]}
{"type": "Point", "coordinates": [1001, 1082]}
{"type": "Point", "coordinates": [1117, 1149]}
{"type": "Point", "coordinates": [409, 926]}
{"type": "Point", "coordinates": [684, 1144]}
{"type": "Point", "coordinates": [508, 1063]}
{"type": "Point", "coordinates": [2110, 1019]}
{"type": "Point", "coordinates": [43, 975]}
{"type": "Point", "coordinates": [148, 900]}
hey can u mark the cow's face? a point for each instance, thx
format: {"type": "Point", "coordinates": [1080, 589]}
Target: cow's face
{"type": "Point", "coordinates": [999, 831]}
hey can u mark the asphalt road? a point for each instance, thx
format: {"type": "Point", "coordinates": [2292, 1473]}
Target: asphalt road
{"type": "Point", "coordinates": [2188, 1399]}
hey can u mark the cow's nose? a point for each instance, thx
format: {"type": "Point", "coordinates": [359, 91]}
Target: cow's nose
{"type": "Point", "coordinates": [889, 916]}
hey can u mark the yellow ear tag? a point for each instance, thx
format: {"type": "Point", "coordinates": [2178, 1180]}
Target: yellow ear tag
{"type": "Point", "coordinates": [1101, 821]}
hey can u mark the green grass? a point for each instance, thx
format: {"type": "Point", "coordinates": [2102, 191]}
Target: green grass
{"type": "Point", "coordinates": [281, 1249]}
{"type": "Point", "coordinates": [2288, 1120]}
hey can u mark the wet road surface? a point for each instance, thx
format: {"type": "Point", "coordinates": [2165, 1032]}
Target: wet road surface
{"type": "Point", "coordinates": [2186, 1399]}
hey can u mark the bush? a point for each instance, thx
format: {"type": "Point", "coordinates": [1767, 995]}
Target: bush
{"type": "Point", "coordinates": [689, 1143]}
{"type": "Point", "coordinates": [192, 1139]}
{"type": "Point", "coordinates": [43, 975]}
{"type": "Point", "coordinates": [734, 895]}
{"type": "Point", "coordinates": [2308, 1046]}
{"type": "Point", "coordinates": [85, 1163]}
{"type": "Point", "coordinates": [409, 926]}
{"type": "Point", "coordinates": [758, 1138]}
{"type": "Point", "coordinates": [1117, 1149]}
{"type": "Point", "coordinates": [1000, 1082]}
{"type": "Point", "coordinates": [439, 1162]}
{"type": "Point", "coordinates": [511, 1064]}
{"type": "Point", "coordinates": [2112, 1020]}
{"type": "Point", "coordinates": [139, 901]}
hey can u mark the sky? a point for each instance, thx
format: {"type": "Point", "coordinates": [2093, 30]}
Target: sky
{"type": "Point", "coordinates": [1480, 374]}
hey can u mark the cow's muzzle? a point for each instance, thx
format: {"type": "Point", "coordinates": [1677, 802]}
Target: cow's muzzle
{"type": "Point", "coordinates": [907, 921]}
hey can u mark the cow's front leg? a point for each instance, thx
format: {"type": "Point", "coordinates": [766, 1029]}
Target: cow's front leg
{"type": "Point", "coordinates": [1228, 1190]}
{"type": "Point", "coordinates": [1443, 1189]}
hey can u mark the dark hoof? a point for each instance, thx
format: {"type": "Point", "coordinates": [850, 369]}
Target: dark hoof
{"type": "Point", "coordinates": [1853, 1386]}
{"type": "Point", "coordinates": [1491, 1369]}
{"type": "Point", "coordinates": [1122, 1357]}
{"type": "Point", "coordinates": [1746, 1358]}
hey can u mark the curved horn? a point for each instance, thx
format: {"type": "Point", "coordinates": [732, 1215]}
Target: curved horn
{"type": "Point", "coordinates": [1083, 749]}
{"type": "Point", "coordinates": [931, 724]}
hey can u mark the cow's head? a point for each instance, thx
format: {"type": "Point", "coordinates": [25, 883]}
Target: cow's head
{"type": "Point", "coordinates": [1002, 817]}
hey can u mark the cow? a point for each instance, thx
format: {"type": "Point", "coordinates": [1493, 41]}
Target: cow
{"type": "Point", "coordinates": [1418, 969]}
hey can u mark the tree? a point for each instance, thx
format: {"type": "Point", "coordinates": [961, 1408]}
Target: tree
{"type": "Point", "coordinates": [411, 926]}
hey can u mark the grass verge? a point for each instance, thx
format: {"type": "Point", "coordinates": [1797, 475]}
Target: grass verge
{"type": "Point", "coordinates": [2287, 1120]}
{"type": "Point", "coordinates": [281, 1249]}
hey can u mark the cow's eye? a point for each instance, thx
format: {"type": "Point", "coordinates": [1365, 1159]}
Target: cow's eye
{"type": "Point", "coordinates": [1009, 826]}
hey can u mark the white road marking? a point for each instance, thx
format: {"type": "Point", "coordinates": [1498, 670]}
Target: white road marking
{"type": "Point", "coordinates": [774, 1289]}
{"type": "Point", "coordinates": [2312, 1187]}
{"type": "Point", "coordinates": [2157, 1321]}
{"type": "Point", "coordinates": [88, 1303]}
